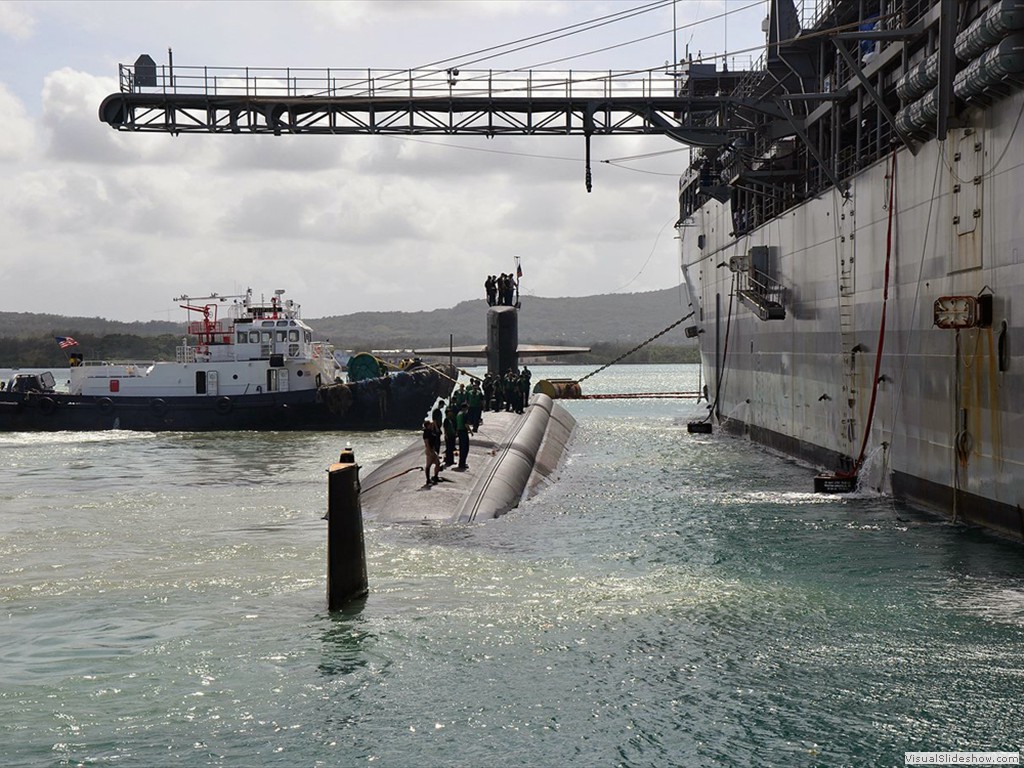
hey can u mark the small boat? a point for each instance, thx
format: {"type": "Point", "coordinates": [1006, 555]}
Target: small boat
{"type": "Point", "coordinates": [258, 369]}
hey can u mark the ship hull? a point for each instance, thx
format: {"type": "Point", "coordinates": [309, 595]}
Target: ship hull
{"type": "Point", "coordinates": [945, 431]}
{"type": "Point", "coordinates": [400, 401]}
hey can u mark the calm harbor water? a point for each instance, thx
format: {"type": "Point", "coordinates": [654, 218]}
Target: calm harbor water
{"type": "Point", "coordinates": [673, 600]}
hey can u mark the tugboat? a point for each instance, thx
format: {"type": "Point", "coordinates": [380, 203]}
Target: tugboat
{"type": "Point", "coordinates": [256, 370]}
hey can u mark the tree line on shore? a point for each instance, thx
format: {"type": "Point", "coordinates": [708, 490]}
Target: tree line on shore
{"type": "Point", "coordinates": [44, 352]}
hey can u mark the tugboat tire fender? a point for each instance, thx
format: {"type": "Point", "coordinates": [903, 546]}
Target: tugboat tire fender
{"type": "Point", "coordinates": [224, 405]}
{"type": "Point", "coordinates": [47, 405]}
{"type": "Point", "coordinates": [104, 404]}
{"type": "Point", "coordinates": [158, 406]}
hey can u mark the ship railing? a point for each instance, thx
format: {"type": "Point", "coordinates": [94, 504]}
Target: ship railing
{"type": "Point", "coordinates": [115, 368]}
{"type": "Point", "coordinates": [401, 83]}
{"type": "Point", "coordinates": [902, 13]}
{"type": "Point", "coordinates": [912, 12]}
{"type": "Point", "coordinates": [811, 11]}
{"type": "Point", "coordinates": [322, 354]}
{"type": "Point", "coordinates": [203, 327]}
{"type": "Point", "coordinates": [753, 78]}
{"type": "Point", "coordinates": [764, 286]}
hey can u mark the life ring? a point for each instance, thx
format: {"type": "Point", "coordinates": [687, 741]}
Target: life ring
{"type": "Point", "coordinates": [224, 405]}
{"type": "Point", "coordinates": [47, 405]}
{"type": "Point", "coordinates": [158, 406]}
{"type": "Point", "coordinates": [104, 404]}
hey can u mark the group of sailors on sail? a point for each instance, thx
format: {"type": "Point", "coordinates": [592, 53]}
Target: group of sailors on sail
{"type": "Point", "coordinates": [501, 290]}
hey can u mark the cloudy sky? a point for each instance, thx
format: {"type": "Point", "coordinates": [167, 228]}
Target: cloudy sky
{"type": "Point", "coordinates": [97, 222]}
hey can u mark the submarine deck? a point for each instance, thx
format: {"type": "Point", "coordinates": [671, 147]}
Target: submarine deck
{"type": "Point", "coordinates": [510, 458]}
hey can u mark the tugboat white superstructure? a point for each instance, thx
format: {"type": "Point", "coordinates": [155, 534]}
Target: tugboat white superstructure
{"type": "Point", "coordinates": [259, 368]}
{"type": "Point", "coordinates": [262, 347]}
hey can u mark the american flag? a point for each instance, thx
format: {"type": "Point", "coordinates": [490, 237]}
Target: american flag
{"type": "Point", "coordinates": [65, 341]}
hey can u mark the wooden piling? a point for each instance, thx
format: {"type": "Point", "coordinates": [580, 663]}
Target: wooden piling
{"type": "Point", "coordinates": [346, 551]}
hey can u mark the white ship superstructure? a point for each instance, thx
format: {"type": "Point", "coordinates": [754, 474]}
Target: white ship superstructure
{"type": "Point", "coordinates": [263, 346]}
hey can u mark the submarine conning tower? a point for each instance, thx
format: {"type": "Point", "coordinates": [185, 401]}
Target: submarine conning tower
{"type": "Point", "coordinates": [502, 339]}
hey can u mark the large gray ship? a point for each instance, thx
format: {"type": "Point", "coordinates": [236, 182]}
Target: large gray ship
{"type": "Point", "coordinates": [854, 252]}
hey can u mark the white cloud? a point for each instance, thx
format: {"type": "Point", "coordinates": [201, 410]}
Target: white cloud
{"type": "Point", "coordinates": [17, 139]}
{"type": "Point", "coordinates": [70, 103]}
{"type": "Point", "coordinates": [102, 222]}
{"type": "Point", "coordinates": [354, 14]}
{"type": "Point", "coordinates": [15, 20]}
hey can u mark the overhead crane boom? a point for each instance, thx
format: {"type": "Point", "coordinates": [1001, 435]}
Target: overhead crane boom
{"type": "Point", "coordinates": [488, 102]}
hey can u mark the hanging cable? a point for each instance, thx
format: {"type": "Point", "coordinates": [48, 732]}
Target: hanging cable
{"type": "Point", "coordinates": [551, 35]}
{"type": "Point", "coordinates": [636, 348]}
{"type": "Point", "coordinates": [659, 153]}
{"type": "Point", "coordinates": [713, 408]}
{"type": "Point", "coordinates": [588, 175]}
{"type": "Point", "coordinates": [583, 54]}
{"type": "Point", "coordinates": [645, 38]}
{"type": "Point", "coordinates": [436, 369]}
{"type": "Point", "coordinates": [649, 256]}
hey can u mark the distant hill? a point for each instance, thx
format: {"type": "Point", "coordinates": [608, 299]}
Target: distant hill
{"type": "Point", "coordinates": [24, 325]}
{"type": "Point", "coordinates": [585, 321]}
{"type": "Point", "coordinates": [627, 318]}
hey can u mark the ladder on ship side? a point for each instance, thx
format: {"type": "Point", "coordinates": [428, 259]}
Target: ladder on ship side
{"type": "Point", "coordinates": [847, 318]}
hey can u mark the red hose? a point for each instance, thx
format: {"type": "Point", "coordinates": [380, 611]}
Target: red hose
{"type": "Point", "coordinates": [881, 326]}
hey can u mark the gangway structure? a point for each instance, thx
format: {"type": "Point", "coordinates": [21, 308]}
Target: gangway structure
{"type": "Point", "coordinates": [725, 112]}
{"type": "Point", "coordinates": [717, 109]}
{"type": "Point", "coordinates": [690, 105]}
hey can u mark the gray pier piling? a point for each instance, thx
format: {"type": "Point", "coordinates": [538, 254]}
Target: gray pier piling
{"type": "Point", "coordinates": [346, 550]}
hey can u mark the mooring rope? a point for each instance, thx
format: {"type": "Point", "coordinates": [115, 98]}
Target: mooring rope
{"type": "Point", "coordinates": [393, 477]}
{"type": "Point", "coordinates": [434, 368]}
{"type": "Point", "coordinates": [721, 368]}
{"type": "Point", "coordinates": [643, 395]}
{"type": "Point", "coordinates": [637, 347]}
